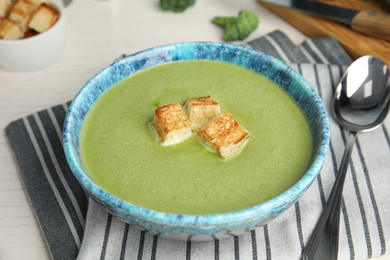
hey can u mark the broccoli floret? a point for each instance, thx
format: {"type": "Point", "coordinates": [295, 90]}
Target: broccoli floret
{"type": "Point", "coordinates": [176, 6]}
{"type": "Point", "coordinates": [238, 28]}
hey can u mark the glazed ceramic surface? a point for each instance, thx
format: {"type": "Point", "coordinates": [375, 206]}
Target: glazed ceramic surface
{"type": "Point", "coordinates": [199, 227]}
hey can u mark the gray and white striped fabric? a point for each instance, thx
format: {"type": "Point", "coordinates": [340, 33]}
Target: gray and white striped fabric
{"type": "Point", "coordinates": [75, 227]}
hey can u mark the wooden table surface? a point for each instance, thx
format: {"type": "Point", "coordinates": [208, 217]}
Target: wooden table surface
{"type": "Point", "coordinates": [98, 31]}
{"type": "Point", "coordinates": [355, 43]}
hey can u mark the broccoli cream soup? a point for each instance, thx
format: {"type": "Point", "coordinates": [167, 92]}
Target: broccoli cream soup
{"type": "Point", "coordinates": [122, 156]}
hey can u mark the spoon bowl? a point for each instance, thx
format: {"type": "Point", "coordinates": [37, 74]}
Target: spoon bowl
{"type": "Point", "coordinates": [361, 103]}
{"type": "Point", "coordinates": [361, 100]}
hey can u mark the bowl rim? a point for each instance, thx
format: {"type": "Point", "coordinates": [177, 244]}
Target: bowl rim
{"type": "Point", "coordinates": [198, 224]}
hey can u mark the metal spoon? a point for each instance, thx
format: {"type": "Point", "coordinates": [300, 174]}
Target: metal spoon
{"type": "Point", "coordinates": [361, 103]}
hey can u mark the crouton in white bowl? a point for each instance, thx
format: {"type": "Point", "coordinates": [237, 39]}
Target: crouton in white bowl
{"type": "Point", "coordinates": [32, 34]}
{"type": "Point", "coordinates": [196, 140]}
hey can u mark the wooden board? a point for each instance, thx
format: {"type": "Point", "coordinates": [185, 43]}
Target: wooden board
{"type": "Point", "coordinates": [355, 43]}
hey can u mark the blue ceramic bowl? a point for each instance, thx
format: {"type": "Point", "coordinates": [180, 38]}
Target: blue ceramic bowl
{"type": "Point", "coordinates": [200, 227]}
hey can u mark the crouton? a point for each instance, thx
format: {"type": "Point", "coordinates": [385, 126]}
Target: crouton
{"type": "Point", "coordinates": [201, 110]}
{"type": "Point", "coordinates": [10, 30]}
{"type": "Point", "coordinates": [224, 135]}
{"type": "Point", "coordinates": [38, 2]}
{"type": "Point", "coordinates": [170, 124]}
{"type": "Point", "coordinates": [30, 33]}
{"type": "Point", "coordinates": [21, 12]}
{"type": "Point", "coordinates": [43, 18]}
{"type": "Point", "coordinates": [5, 5]}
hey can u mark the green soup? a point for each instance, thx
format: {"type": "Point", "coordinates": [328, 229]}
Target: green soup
{"type": "Point", "coordinates": [121, 155]}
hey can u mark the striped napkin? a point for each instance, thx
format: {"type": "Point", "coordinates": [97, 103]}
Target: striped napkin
{"type": "Point", "coordinates": [76, 227]}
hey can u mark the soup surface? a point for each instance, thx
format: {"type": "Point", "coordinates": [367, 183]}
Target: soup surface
{"type": "Point", "coordinates": [121, 155]}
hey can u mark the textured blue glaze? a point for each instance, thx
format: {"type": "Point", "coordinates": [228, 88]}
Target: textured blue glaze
{"type": "Point", "coordinates": [262, 63]}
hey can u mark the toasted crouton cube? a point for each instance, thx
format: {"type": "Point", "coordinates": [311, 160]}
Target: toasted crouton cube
{"type": "Point", "coordinates": [21, 12]}
{"type": "Point", "coordinates": [43, 18]}
{"type": "Point", "coordinates": [30, 33]}
{"type": "Point", "coordinates": [38, 2]}
{"type": "Point", "coordinates": [170, 124]}
{"type": "Point", "coordinates": [224, 134]}
{"type": "Point", "coordinates": [5, 5]}
{"type": "Point", "coordinates": [10, 30]}
{"type": "Point", "coordinates": [201, 110]}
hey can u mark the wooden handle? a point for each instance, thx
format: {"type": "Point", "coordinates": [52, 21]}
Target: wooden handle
{"type": "Point", "coordinates": [372, 23]}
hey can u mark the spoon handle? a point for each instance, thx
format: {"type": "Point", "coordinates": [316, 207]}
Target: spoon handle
{"type": "Point", "coordinates": [324, 242]}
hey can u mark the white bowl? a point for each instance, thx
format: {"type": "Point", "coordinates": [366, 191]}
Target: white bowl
{"type": "Point", "coordinates": [37, 52]}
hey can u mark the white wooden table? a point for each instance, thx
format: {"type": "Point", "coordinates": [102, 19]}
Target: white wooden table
{"type": "Point", "coordinates": [98, 31]}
